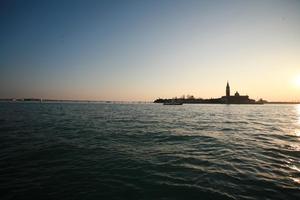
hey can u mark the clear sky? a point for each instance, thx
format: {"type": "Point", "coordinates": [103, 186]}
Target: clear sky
{"type": "Point", "coordinates": [142, 50]}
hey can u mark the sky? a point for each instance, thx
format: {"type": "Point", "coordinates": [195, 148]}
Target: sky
{"type": "Point", "coordinates": [142, 50]}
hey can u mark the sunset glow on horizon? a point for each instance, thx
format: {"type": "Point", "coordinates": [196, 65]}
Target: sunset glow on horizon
{"type": "Point", "coordinates": [143, 50]}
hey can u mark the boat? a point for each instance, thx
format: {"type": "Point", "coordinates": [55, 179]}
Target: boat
{"type": "Point", "coordinates": [172, 103]}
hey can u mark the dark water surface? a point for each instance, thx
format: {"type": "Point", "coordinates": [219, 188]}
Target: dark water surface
{"type": "Point", "coordinates": [149, 151]}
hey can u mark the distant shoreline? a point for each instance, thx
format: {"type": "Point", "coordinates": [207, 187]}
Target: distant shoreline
{"type": "Point", "coordinates": [36, 100]}
{"type": "Point", "coordinates": [281, 102]}
{"type": "Point", "coordinates": [112, 102]}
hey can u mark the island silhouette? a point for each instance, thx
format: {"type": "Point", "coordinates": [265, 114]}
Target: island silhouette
{"type": "Point", "coordinates": [227, 99]}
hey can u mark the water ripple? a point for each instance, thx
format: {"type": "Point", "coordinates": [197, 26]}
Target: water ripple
{"type": "Point", "coordinates": [149, 151]}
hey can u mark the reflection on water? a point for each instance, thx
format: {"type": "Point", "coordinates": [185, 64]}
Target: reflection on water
{"type": "Point", "coordinates": [297, 130]}
{"type": "Point", "coordinates": [296, 180]}
{"type": "Point", "coordinates": [296, 146]}
{"type": "Point", "coordinates": [295, 168]}
{"type": "Point", "coordinates": [298, 112]}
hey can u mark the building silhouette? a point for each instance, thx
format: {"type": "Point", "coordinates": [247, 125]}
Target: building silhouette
{"type": "Point", "coordinates": [227, 99]}
{"type": "Point", "coordinates": [227, 90]}
{"type": "Point", "coordinates": [236, 99]}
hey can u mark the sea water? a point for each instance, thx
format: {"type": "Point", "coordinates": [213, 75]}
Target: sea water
{"type": "Point", "coordinates": [149, 151]}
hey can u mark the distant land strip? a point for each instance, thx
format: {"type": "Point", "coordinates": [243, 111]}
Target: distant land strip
{"type": "Point", "coordinates": [37, 100]}
{"type": "Point", "coordinates": [282, 102]}
{"type": "Point", "coordinates": [102, 101]}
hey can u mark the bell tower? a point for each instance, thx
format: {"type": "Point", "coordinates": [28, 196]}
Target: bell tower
{"type": "Point", "coordinates": [227, 90]}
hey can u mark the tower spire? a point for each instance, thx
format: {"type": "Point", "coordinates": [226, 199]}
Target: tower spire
{"type": "Point", "coordinates": [227, 89]}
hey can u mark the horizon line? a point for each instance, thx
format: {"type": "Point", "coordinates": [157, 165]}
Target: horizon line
{"type": "Point", "coordinates": [109, 101]}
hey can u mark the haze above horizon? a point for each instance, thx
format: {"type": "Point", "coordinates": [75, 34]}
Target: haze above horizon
{"type": "Point", "coordinates": [142, 50]}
